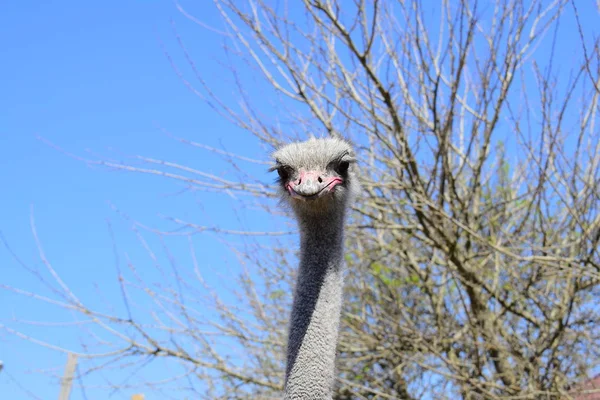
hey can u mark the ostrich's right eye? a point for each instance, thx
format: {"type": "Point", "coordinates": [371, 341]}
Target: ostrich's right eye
{"type": "Point", "coordinates": [283, 172]}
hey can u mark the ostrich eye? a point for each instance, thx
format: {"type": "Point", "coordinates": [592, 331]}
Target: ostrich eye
{"type": "Point", "coordinates": [342, 167]}
{"type": "Point", "coordinates": [283, 172]}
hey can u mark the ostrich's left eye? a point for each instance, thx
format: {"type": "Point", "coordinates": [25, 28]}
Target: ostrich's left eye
{"type": "Point", "coordinates": [342, 167]}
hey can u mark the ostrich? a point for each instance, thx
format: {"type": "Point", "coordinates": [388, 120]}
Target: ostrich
{"type": "Point", "coordinates": [317, 182]}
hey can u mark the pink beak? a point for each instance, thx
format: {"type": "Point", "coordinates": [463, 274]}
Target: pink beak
{"type": "Point", "coordinates": [311, 185]}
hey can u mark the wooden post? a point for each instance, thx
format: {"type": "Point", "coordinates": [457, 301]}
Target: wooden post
{"type": "Point", "coordinates": [67, 379]}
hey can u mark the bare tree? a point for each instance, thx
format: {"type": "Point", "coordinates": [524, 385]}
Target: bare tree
{"type": "Point", "coordinates": [473, 250]}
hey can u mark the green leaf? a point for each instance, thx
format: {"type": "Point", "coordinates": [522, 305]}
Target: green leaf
{"type": "Point", "coordinates": [377, 268]}
{"type": "Point", "coordinates": [276, 294]}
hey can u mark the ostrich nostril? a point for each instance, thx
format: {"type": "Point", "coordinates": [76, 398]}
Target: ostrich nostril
{"type": "Point", "coordinates": [320, 180]}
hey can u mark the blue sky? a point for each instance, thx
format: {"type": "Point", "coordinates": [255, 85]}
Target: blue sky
{"type": "Point", "coordinates": [93, 78]}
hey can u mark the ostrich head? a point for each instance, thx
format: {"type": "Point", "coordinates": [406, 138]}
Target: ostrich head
{"type": "Point", "coordinates": [316, 177]}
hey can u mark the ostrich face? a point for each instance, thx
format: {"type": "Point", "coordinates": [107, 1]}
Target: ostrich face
{"type": "Point", "coordinates": [317, 175]}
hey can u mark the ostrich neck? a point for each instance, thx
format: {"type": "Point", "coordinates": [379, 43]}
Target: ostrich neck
{"type": "Point", "coordinates": [310, 371]}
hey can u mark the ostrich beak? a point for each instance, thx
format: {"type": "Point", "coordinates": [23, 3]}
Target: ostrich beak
{"type": "Point", "coordinates": [311, 186]}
